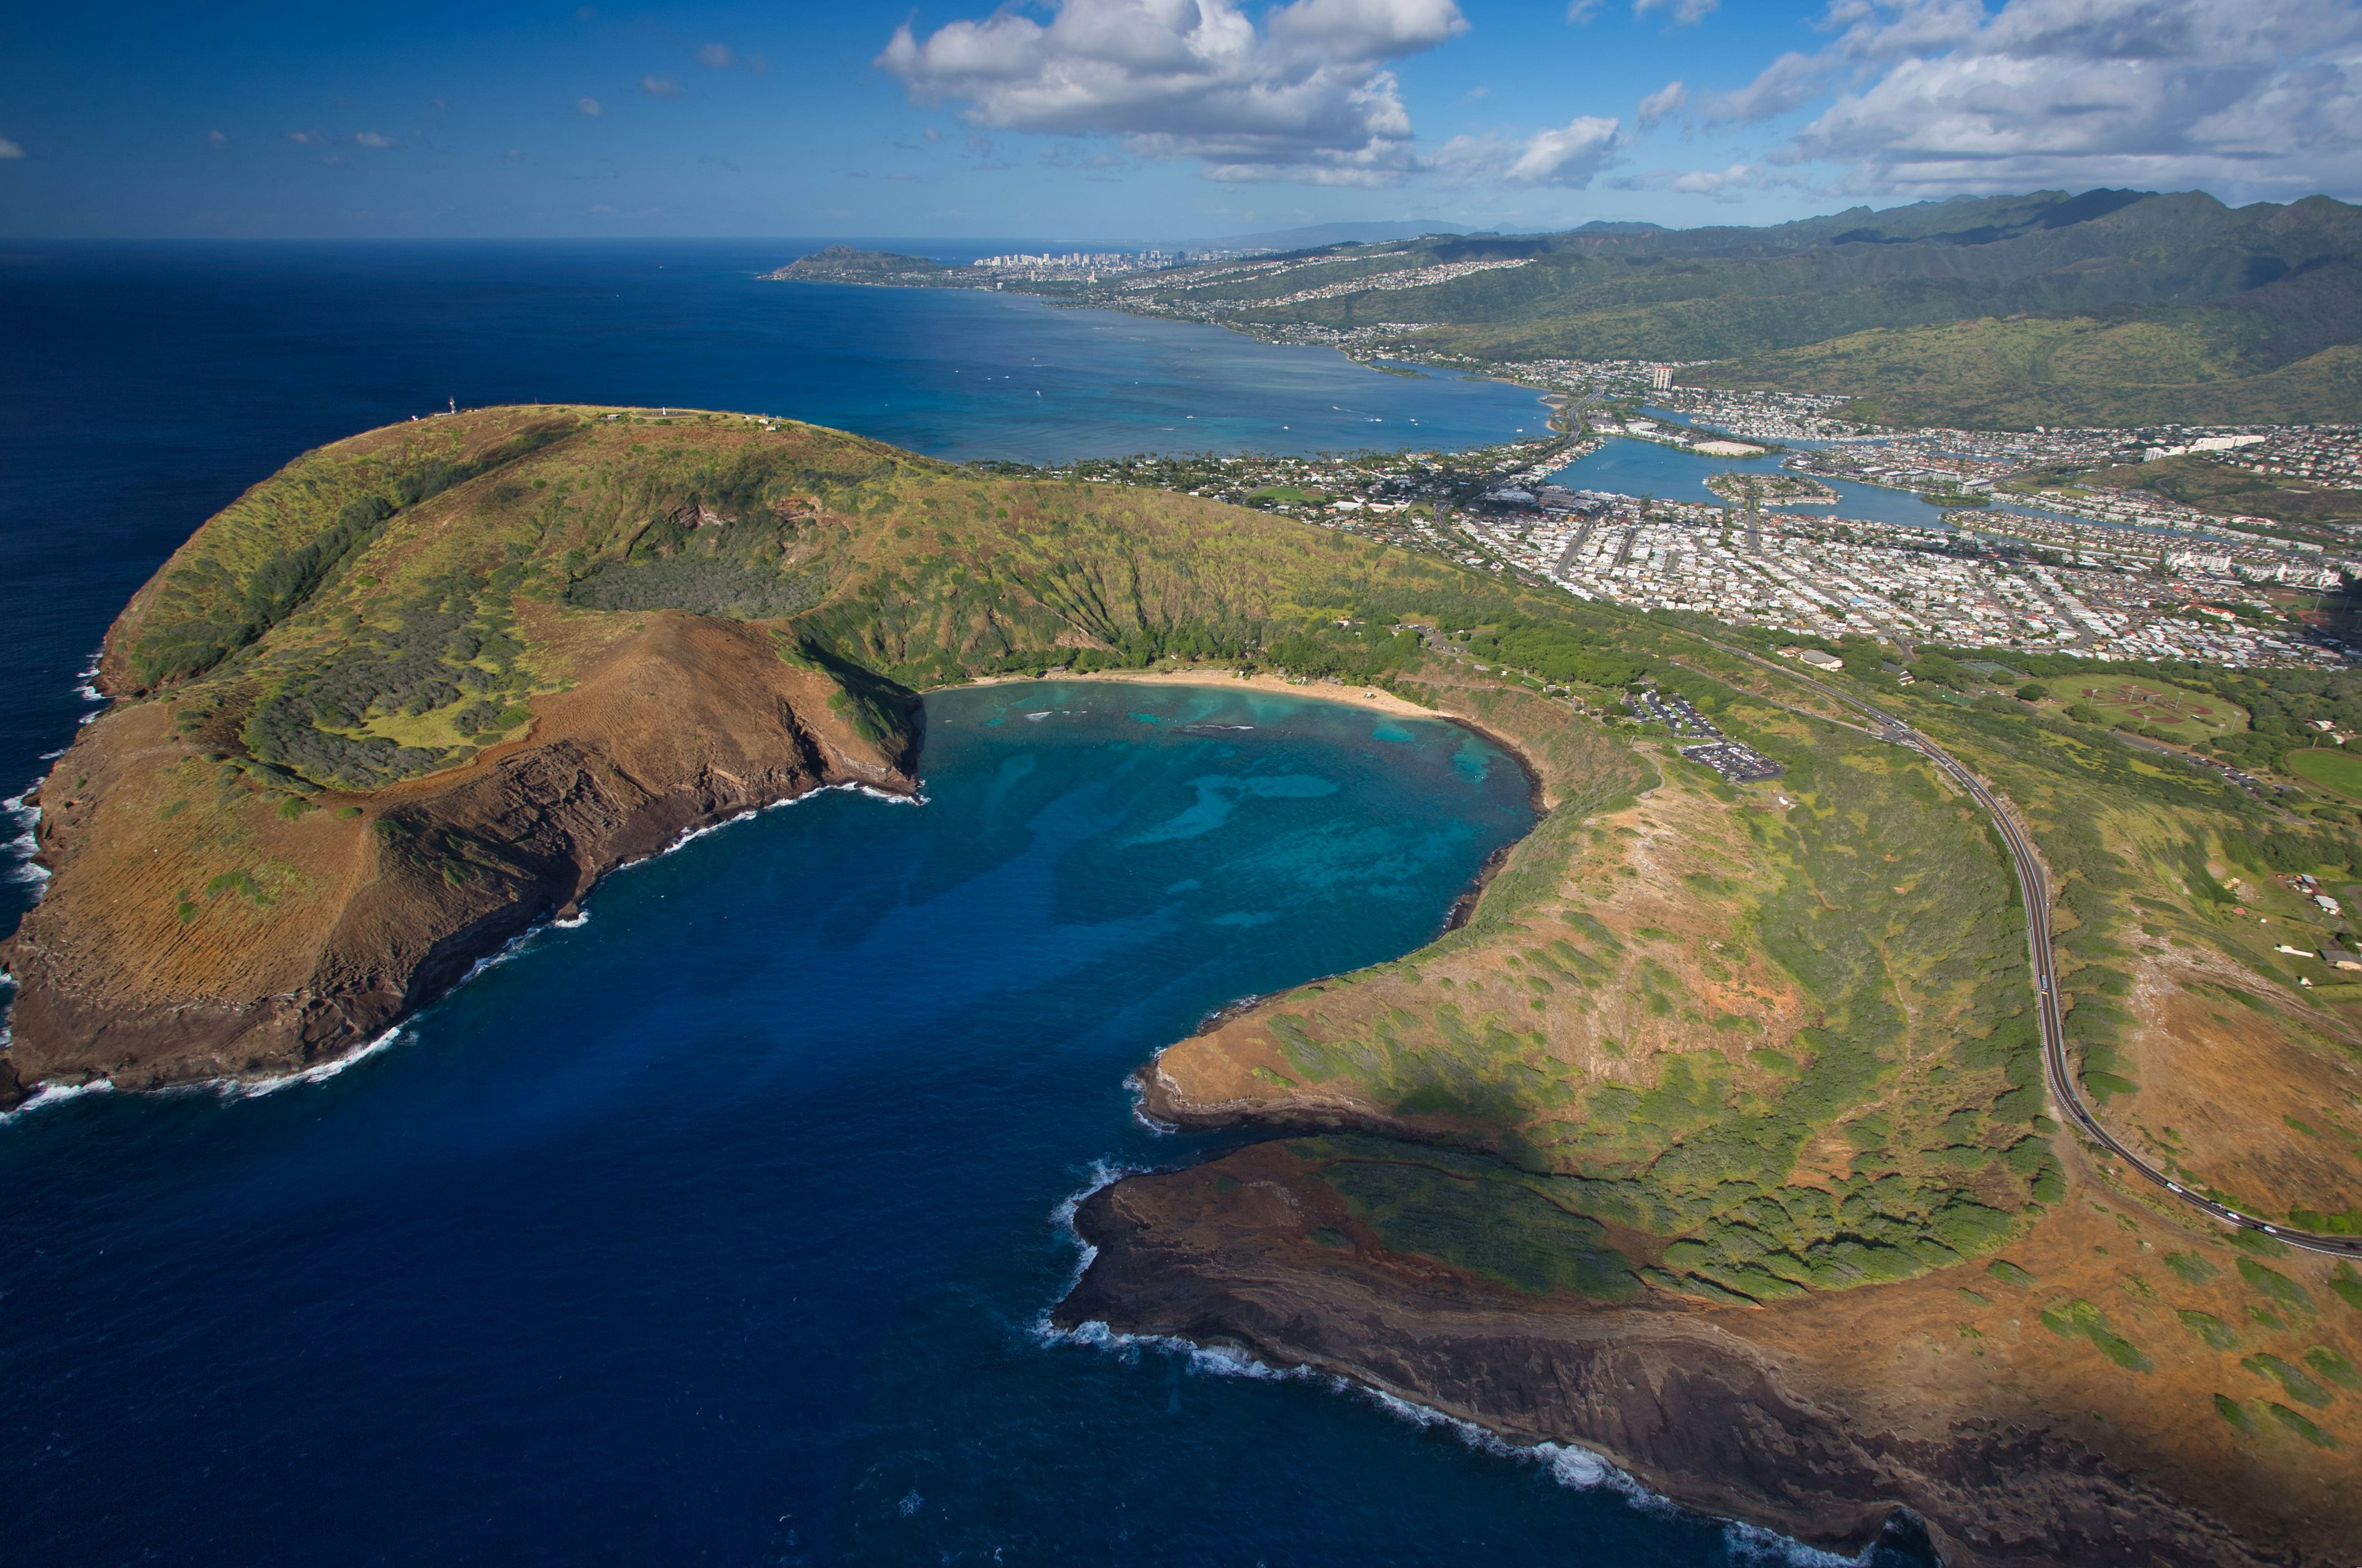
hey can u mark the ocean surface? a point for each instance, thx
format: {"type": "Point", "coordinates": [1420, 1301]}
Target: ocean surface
{"type": "Point", "coordinates": [720, 1229]}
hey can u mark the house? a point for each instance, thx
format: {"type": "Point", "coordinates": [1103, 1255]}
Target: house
{"type": "Point", "coordinates": [1819, 661]}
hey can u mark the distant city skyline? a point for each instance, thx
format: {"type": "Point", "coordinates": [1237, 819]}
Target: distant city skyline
{"type": "Point", "coordinates": [1145, 120]}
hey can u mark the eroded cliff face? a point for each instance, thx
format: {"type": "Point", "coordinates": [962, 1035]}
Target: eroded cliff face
{"type": "Point", "coordinates": [146, 965]}
{"type": "Point", "coordinates": [1829, 1426]}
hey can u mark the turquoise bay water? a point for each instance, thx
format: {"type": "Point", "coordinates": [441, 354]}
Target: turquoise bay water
{"type": "Point", "coordinates": [721, 1227]}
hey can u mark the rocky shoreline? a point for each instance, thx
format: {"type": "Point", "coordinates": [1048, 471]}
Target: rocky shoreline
{"type": "Point", "coordinates": [688, 725]}
{"type": "Point", "coordinates": [1694, 1412]}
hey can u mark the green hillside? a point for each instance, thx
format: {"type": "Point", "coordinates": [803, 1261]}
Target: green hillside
{"type": "Point", "coordinates": [2113, 307]}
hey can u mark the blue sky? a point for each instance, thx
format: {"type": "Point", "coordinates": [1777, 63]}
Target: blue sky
{"type": "Point", "coordinates": [1143, 119]}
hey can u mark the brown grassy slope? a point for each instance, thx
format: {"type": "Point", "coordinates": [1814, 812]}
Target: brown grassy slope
{"type": "Point", "coordinates": [522, 643]}
{"type": "Point", "coordinates": [1950, 1394]}
{"type": "Point", "coordinates": [192, 931]}
{"type": "Point", "coordinates": [2129, 1388]}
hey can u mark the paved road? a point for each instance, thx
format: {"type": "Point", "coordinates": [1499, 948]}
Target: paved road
{"type": "Point", "coordinates": [2034, 889]}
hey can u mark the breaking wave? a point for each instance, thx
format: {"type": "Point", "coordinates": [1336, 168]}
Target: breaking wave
{"type": "Point", "coordinates": [251, 1088]}
{"type": "Point", "coordinates": [1576, 1468]}
{"type": "Point", "coordinates": [55, 1094]}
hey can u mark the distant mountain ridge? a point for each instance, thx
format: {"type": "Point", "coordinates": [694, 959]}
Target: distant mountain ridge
{"type": "Point", "coordinates": [2104, 307]}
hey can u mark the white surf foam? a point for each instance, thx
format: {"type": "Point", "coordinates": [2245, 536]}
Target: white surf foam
{"type": "Point", "coordinates": [1570, 1465]}
{"type": "Point", "coordinates": [1752, 1544]}
{"type": "Point", "coordinates": [1139, 1092]}
{"type": "Point", "coordinates": [55, 1094]}
{"type": "Point", "coordinates": [575, 922]}
{"type": "Point", "coordinates": [692, 835]}
{"type": "Point", "coordinates": [17, 863]}
{"type": "Point", "coordinates": [252, 1088]}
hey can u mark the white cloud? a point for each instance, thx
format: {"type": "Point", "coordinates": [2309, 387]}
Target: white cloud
{"type": "Point", "coordinates": [716, 57]}
{"type": "Point", "coordinates": [1664, 102]}
{"type": "Point", "coordinates": [372, 139]}
{"type": "Point", "coordinates": [1306, 96]}
{"type": "Point", "coordinates": [1788, 82]}
{"type": "Point", "coordinates": [660, 86]}
{"type": "Point", "coordinates": [1569, 156]}
{"type": "Point", "coordinates": [215, 138]}
{"type": "Point", "coordinates": [304, 136]}
{"type": "Point", "coordinates": [1687, 13]}
{"type": "Point", "coordinates": [9, 149]}
{"type": "Point", "coordinates": [1722, 183]}
{"type": "Point", "coordinates": [1581, 11]}
{"type": "Point", "coordinates": [588, 106]}
{"type": "Point", "coordinates": [2257, 98]}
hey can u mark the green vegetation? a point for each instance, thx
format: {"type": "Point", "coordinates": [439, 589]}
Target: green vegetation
{"type": "Point", "coordinates": [2285, 1292]}
{"type": "Point", "coordinates": [389, 606]}
{"type": "Point", "coordinates": [2110, 307]}
{"type": "Point", "coordinates": [2153, 707]}
{"type": "Point", "coordinates": [2331, 767]}
{"type": "Point", "coordinates": [2300, 1425]}
{"type": "Point", "coordinates": [1698, 1152]}
{"type": "Point", "coordinates": [2215, 1333]}
{"type": "Point", "coordinates": [1284, 495]}
{"type": "Point", "coordinates": [2080, 1320]}
{"type": "Point", "coordinates": [2217, 487]}
{"type": "Point", "coordinates": [2329, 1364]}
{"type": "Point", "coordinates": [1473, 1214]}
{"type": "Point", "coordinates": [2233, 1412]}
{"type": "Point", "coordinates": [2191, 1267]}
{"type": "Point", "coordinates": [2292, 1379]}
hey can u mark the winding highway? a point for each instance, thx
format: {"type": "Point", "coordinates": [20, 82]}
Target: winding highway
{"type": "Point", "coordinates": [2033, 887]}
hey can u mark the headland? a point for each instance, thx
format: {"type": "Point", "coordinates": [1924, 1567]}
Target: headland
{"type": "Point", "coordinates": [1715, 1138]}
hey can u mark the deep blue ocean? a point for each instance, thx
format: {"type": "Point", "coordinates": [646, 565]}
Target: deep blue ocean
{"type": "Point", "coordinates": [720, 1229]}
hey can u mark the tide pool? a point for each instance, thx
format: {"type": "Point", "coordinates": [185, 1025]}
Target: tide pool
{"type": "Point", "coordinates": [721, 1227]}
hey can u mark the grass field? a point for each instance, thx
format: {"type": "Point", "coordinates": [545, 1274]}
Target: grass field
{"type": "Point", "coordinates": [2330, 769]}
{"type": "Point", "coordinates": [2188, 716]}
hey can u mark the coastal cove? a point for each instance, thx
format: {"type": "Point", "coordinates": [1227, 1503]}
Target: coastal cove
{"type": "Point", "coordinates": [724, 1221]}
{"type": "Point", "coordinates": [171, 376]}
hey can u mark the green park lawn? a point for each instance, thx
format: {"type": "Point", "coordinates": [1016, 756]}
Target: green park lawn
{"type": "Point", "coordinates": [2329, 767]}
{"type": "Point", "coordinates": [2188, 716]}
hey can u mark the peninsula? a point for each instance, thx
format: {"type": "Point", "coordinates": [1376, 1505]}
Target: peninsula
{"type": "Point", "coordinates": [1731, 1134]}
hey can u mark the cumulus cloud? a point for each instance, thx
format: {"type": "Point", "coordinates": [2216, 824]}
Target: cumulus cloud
{"type": "Point", "coordinates": [660, 86]}
{"type": "Point", "coordinates": [1687, 13]}
{"type": "Point", "coordinates": [588, 106]}
{"type": "Point", "coordinates": [1787, 83]}
{"type": "Point", "coordinates": [1724, 185]}
{"type": "Point", "coordinates": [1571, 156]}
{"type": "Point", "coordinates": [1581, 11]}
{"type": "Point", "coordinates": [1664, 102]}
{"type": "Point", "coordinates": [304, 136]}
{"type": "Point", "coordinates": [716, 57]}
{"type": "Point", "coordinates": [1715, 181]}
{"type": "Point", "coordinates": [372, 139]}
{"type": "Point", "coordinates": [9, 149]}
{"type": "Point", "coordinates": [1306, 96]}
{"type": "Point", "coordinates": [1934, 98]}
